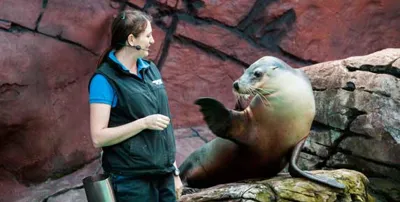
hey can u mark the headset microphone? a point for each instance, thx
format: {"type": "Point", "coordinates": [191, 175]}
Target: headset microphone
{"type": "Point", "coordinates": [137, 47]}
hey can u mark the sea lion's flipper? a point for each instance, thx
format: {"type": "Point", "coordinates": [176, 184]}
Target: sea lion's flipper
{"type": "Point", "coordinates": [218, 118]}
{"type": "Point", "coordinates": [296, 172]}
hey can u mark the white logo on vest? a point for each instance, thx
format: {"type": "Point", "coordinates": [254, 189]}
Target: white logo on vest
{"type": "Point", "coordinates": [157, 82]}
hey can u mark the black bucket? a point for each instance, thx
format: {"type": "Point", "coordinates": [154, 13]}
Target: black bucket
{"type": "Point", "coordinates": [98, 188]}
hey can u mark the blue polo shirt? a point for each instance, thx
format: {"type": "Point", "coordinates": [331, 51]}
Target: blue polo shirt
{"type": "Point", "coordinates": [100, 91]}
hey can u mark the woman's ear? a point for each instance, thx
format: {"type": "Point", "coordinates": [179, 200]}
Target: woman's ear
{"type": "Point", "coordinates": [131, 40]}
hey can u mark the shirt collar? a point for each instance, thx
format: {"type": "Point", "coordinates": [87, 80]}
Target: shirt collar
{"type": "Point", "coordinates": [141, 64]}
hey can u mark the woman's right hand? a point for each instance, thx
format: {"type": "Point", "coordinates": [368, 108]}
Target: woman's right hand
{"type": "Point", "coordinates": [156, 122]}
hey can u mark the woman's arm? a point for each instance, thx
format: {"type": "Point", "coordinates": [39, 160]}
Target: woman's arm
{"type": "Point", "coordinates": [104, 136]}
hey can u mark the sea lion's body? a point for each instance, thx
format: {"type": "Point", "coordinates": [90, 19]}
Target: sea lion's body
{"type": "Point", "coordinates": [258, 141]}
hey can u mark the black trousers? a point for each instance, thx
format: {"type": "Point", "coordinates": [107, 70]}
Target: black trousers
{"type": "Point", "coordinates": [144, 189]}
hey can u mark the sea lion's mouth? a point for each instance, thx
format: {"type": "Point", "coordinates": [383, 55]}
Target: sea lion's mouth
{"type": "Point", "coordinates": [244, 96]}
{"type": "Point", "coordinates": [253, 92]}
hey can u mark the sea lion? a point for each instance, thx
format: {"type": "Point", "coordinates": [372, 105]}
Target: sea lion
{"type": "Point", "coordinates": [260, 140]}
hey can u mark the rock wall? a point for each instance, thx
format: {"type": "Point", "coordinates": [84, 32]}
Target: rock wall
{"type": "Point", "coordinates": [357, 124]}
{"type": "Point", "coordinates": [49, 49]}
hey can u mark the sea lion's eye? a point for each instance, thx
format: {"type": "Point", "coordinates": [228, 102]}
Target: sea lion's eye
{"type": "Point", "coordinates": [257, 74]}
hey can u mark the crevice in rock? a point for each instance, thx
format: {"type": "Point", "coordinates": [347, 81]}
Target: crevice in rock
{"type": "Point", "coordinates": [16, 28]}
{"type": "Point", "coordinates": [349, 153]}
{"type": "Point", "coordinates": [167, 41]}
{"type": "Point", "coordinates": [347, 88]}
{"type": "Point", "coordinates": [148, 4]}
{"type": "Point", "coordinates": [383, 93]}
{"type": "Point", "coordinates": [272, 190]}
{"type": "Point", "coordinates": [71, 42]}
{"type": "Point", "coordinates": [10, 91]}
{"type": "Point", "coordinates": [352, 114]}
{"type": "Point", "coordinates": [209, 50]}
{"type": "Point", "coordinates": [7, 86]}
{"type": "Point", "coordinates": [62, 192]}
{"type": "Point", "coordinates": [297, 59]}
{"type": "Point", "coordinates": [301, 193]}
{"type": "Point", "coordinates": [332, 149]}
{"type": "Point", "coordinates": [346, 134]}
{"type": "Point", "coordinates": [307, 151]}
{"type": "Point", "coordinates": [44, 4]}
{"type": "Point", "coordinates": [378, 69]}
{"type": "Point", "coordinates": [273, 32]}
{"type": "Point", "coordinates": [5, 24]}
{"type": "Point", "coordinates": [193, 5]}
{"type": "Point", "coordinates": [60, 173]}
{"type": "Point", "coordinates": [197, 134]}
{"type": "Point", "coordinates": [127, 3]}
{"type": "Point", "coordinates": [195, 20]}
{"type": "Point", "coordinates": [258, 7]}
{"type": "Point", "coordinates": [163, 6]}
{"type": "Point", "coordinates": [38, 21]}
{"type": "Point", "coordinates": [66, 84]}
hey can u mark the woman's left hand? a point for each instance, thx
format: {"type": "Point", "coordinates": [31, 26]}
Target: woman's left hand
{"type": "Point", "coordinates": [178, 187]}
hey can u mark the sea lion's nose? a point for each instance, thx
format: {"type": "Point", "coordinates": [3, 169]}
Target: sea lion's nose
{"type": "Point", "coordinates": [236, 85]}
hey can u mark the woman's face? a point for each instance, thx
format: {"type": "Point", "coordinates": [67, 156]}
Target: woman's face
{"type": "Point", "coordinates": [144, 40]}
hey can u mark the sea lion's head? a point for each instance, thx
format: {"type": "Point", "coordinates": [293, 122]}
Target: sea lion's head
{"type": "Point", "coordinates": [262, 77]}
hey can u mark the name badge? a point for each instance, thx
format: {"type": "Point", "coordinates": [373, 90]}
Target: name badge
{"type": "Point", "coordinates": [157, 82]}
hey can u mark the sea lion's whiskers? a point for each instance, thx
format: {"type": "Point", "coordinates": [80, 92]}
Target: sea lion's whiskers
{"type": "Point", "coordinates": [240, 96]}
{"type": "Point", "coordinates": [262, 93]}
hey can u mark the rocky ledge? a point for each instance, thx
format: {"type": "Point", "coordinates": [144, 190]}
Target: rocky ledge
{"type": "Point", "coordinates": [285, 188]}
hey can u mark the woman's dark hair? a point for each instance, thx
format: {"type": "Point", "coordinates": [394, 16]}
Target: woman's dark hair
{"type": "Point", "coordinates": [126, 23]}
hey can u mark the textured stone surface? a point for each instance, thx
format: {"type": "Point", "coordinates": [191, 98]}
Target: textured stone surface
{"type": "Point", "coordinates": [382, 151]}
{"type": "Point", "coordinates": [24, 13]}
{"type": "Point", "coordinates": [309, 161]}
{"type": "Point", "coordinates": [227, 12]}
{"type": "Point", "coordinates": [360, 27]}
{"type": "Point", "coordinates": [369, 168]}
{"type": "Point", "coordinates": [222, 40]}
{"type": "Point", "coordinates": [319, 142]}
{"type": "Point", "coordinates": [83, 22]}
{"type": "Point", "coordinates": [77, 195]}
{"type": "Point", "coordinates": [71, 185]}
{"type": "Point", "coordinates": [389, 189]}
{"type": "Point", "coordinates": [176, 4]}
{"type": "Point", "coordinates": [187, 79]}
{"type": "Point", "coordinates": [285, 188]}
{"type": "Point", "coordinates": [359, 93]}
{"type": "Point", "coordinates": [358, 97]}
{"type": "Point", "coordinates": [44, 129]}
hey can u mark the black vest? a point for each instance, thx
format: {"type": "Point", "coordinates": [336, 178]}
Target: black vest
{"type": "Point", "coordinates": [150, 152]}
